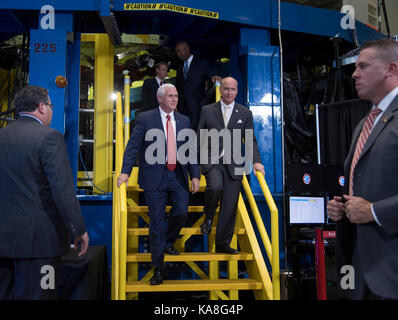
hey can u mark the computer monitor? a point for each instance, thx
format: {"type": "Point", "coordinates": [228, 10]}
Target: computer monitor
{"type": "Point", "coordinates": [306, 210]}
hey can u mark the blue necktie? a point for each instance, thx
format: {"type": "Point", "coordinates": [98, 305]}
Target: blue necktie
{"type": "Point", "coordinates": [185, 70]}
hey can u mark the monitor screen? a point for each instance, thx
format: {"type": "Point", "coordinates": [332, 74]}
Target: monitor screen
{"type": "Point", "coordinates": [306, 210]}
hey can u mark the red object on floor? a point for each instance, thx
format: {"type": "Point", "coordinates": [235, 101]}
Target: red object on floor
{"type": "Point", "coordinates": [320, 266]}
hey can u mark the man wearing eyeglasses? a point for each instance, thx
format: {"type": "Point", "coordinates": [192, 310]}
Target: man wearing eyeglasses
{"type": "Point", "coordinates": [39, 211]}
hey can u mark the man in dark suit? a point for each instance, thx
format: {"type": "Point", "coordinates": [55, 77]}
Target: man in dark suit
{"type": "Point", "coordinates": [223, 174]}
{"type": "Point", "coordinates": [162, 174]}
{"type": "Point", "coordinates": [367, 215]}
{"type": "Point", "coordinates": [192, 75]}
{"type": "Point", "coordinates": [150, 87]}
{"type": "Point", "coordinates": [39, 211]}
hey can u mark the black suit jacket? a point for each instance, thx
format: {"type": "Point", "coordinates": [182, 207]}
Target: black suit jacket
{"type": "Point", "coordinates": [192, 90]}
{"type": "Point", "coordinates": [39, 210]}
{"type": "Point", "coordinates": [150, 174]}
{"type": "Point", "coordinates": [241, 119]}
{"type": "Point", "coordinates": [149, 98]}
{"type": "Point", "coordinates": [376, 180]}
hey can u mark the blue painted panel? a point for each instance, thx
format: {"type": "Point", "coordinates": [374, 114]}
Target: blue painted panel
{"type": "Point", "coordinates": [98, 219]}
{"type": "Point", "coordinates": [47, 61]}
{"type": "Point", "coordinates": [70, 5]}
{"type": "Point", "coordinates": [72, 104]}
{"type": "Point", "coordinates": [263, 94]}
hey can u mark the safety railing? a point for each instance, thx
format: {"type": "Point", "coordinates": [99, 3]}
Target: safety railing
{"type": "Point", "coordinates": [119, 247]}
{"type": "Point", "coordinates": [119, 242]}
{"type": "Point", "coordinates": [271, 247]}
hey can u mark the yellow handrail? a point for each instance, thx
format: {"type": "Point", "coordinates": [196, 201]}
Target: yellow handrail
{"type": "Point", "coordinates": [120, 221]}
{"type": "Point", "coordinates": [273, 246]}
{"type": "Point", "coordinates": [274, 235]}
{"type": "Point", "coordinates": [257, 218]}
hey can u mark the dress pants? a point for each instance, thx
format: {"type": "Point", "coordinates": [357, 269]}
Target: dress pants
{"type": "Point", "coordinates": [29, 279]}
{"type": "Point", "coordinates": [221, 186]}
{"type": "Point", "coordinates": [361, 291]}
{"type": "Point", "coordinates": [164, 232]}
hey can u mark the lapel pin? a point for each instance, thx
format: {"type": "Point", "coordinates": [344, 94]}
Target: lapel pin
{"type": "Point", "coordinates": [384, 120]}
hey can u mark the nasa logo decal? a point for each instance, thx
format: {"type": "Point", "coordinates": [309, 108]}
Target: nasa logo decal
{"type": "Point", "coordinates": [306, 178]}
{"type": "Point", "coordinates": [342, 181]}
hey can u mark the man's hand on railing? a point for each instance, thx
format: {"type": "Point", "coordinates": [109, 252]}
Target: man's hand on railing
{"type": "Point", "coordinates": [257, 166]}
{"type": "Point", "coordinates": [194, 185]}
{"type": "Point", "coordinates": [122, 178]}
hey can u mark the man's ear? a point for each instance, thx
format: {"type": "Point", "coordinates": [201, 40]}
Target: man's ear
{"type": "Point", "coordinates": [392, 69]}
{"type": "Point", "coordinates": [41, 108]}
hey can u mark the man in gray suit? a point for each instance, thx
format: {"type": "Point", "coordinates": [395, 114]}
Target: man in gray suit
{"type": "Point", "coordinates": [367, 215]}
{"type": "Point", "coordinates": [219, 161]}
{"type": "Point", "coordinates": [39, 211]}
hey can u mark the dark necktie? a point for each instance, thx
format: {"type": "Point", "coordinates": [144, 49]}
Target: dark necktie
{"type": "Point", "coordinates": [185, 70]}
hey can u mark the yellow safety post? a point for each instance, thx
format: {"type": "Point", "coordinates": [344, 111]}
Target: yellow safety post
{"type": "Point", "coordinates": [126, 107]}
{"type": "Point", "coordinates": [218, 94]}
{"type": "Point", "coordinates": [122, 200]}
{"type": "Point", "coordinates": [103, 113]}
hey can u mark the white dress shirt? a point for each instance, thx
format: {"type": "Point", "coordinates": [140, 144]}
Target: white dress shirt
{"type": "Point", "coordinates": [230, 108]}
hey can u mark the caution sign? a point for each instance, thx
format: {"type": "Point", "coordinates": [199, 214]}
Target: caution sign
{"type": "Point", "coordinates": [170, 7]}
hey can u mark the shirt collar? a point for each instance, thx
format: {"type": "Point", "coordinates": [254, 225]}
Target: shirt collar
{"type": "Point", "coordinates": [189, 60]}
{"type": "Point", "coordinates": [30, 116]}
{"type": "Point", "coordinates": [229, 106]}
{"type": "Point", "coordinates": [383, 105]}
{"type": "Point", "coordinates": [164, 114]}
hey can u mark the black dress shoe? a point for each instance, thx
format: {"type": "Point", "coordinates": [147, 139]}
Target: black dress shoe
{"type": "Point", "coordinates": [171, 250]}
{"type": "Point", "coordinates": [228, 250]}
{"type": "Point", "coordinates": [206, 226]}
{"type": "Point", "coordinates": [157, 278]}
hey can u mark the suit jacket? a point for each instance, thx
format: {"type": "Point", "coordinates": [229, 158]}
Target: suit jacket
{"type": "Point", "coordinates": [241, 119]}
{"type": "Point", "coordinates": [149, 98]}
{"type": "Point", "coordinates": [150, 174]}
{"type": "Point", "coordinates": [39, 211]}
{"type": "Point", "coordinates": [192, 90]}
{"type": "Point", "coordinates": [375, 179]}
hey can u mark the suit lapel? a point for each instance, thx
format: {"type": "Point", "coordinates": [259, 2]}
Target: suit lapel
{"type": "Point", "coordinates": [380, 125]}
{"type": "Point", "coordinates": [158, 119]}
{"type": "Point", "coordinates": [217, 110]}
{"type": "Point", "coordinates": [234, 117]}
{"type": "Point", "coordinates": [191, 66]}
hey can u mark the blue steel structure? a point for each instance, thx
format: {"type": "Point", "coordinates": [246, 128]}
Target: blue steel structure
{"type": "Point", "coordinates": [245, 30]}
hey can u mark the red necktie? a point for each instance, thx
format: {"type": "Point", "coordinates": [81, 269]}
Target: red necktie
{"type": "Point", "coordinates": [161, 83]}
{"type": "Point", "coordinates": [366, 129]}
{"type": "Point", "coordinates": [171, 145]}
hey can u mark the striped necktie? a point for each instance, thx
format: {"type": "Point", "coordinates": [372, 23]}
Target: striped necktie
{"type": "Point", "coordinates": [366, 129]}
{"type": "Point", "coordinates": [171, 145]}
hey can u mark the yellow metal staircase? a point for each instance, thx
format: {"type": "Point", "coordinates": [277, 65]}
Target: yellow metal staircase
{"type": "Point", "coordinates": [126, 257]}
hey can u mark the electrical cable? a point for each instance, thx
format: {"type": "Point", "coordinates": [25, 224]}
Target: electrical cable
{"type": "Point", "coordinates": [88, 176]}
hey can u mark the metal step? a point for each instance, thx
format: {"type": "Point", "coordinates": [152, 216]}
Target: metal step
{"type": "Point", "coordinates": [192, 256]}
{"type": "Point", "coordinates": [194, 285]}
{"type": "Point", "coordinates": [184, 231]}
{"type": "Point", "coordinates": [144, 209]}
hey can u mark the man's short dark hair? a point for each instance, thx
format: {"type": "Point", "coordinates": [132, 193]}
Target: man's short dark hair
{"type": "Point", "coordinates": [387, 49]}
{"type": "Point", "coordinates": [29, 98]}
